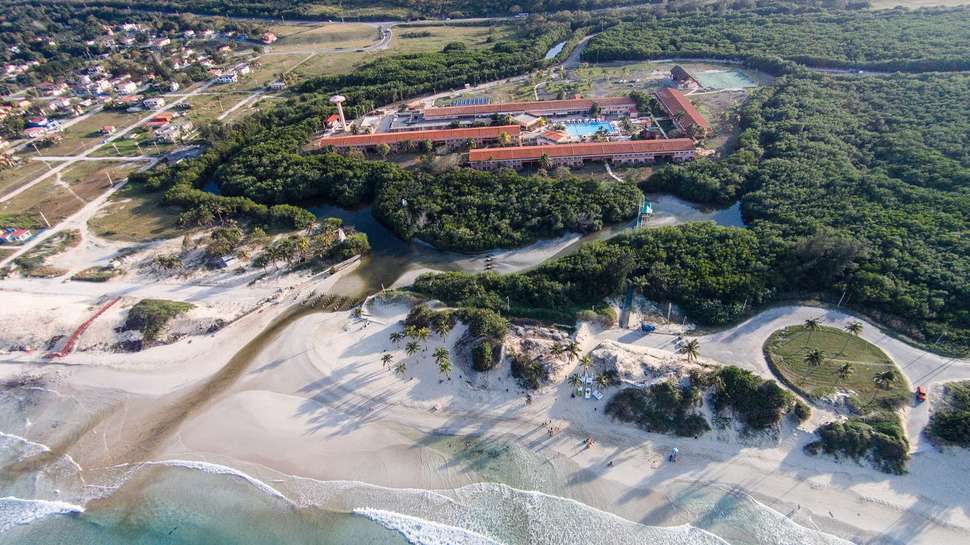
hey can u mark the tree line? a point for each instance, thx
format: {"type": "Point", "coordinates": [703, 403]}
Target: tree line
{"type": "Point", "coordinates": [887, 40]}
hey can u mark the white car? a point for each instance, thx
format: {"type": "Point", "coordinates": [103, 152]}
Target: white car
{"type": "Point", "coordinates": [588, 393]}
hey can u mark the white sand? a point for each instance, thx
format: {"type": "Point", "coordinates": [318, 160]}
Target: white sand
{"type": "Point", "coordinates": [316, 402]}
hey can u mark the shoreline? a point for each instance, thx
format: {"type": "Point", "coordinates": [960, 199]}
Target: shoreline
{"type": "Point", "coordinates": [314, 401]}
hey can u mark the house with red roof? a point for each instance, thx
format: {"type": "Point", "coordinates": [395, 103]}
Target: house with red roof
{"type": "Point", "coordinates": [683, 114]}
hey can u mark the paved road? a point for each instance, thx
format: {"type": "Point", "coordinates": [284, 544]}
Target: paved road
{"type": "Point", "coordinates": [57, 158]}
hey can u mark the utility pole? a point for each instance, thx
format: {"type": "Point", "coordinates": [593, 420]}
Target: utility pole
{"type": "Point", "coordinates": [110, 182]}
{"type": "Point", "coordinates": [669, 306]}
{"type": "Point", "coordinates": [43, 217]}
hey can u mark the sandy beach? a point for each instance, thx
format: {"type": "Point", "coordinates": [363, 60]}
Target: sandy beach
{"type": "Point", "coordinates": [312, 400]}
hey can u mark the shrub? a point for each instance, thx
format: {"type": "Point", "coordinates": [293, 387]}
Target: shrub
{"type": "Point", "coordinates": [661, 408]}
{"type": "Point", "coordinates": [801, 412]}
{"type": "Point", "coordinates": [530, 373]}
{"type": "Point", "coordinates": [151, 315]}
{"type": "Point", "coordinates": [759, 403]}
{"type": "Point", "coordinates": [951, 423]}
{"type": "Point", "coordinates": [878, 438]}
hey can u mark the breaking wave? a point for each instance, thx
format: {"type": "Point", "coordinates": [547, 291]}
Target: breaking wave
{"type": "Point", "coordinates": [16, 511]}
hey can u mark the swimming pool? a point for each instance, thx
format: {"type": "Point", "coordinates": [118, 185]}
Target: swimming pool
{"type": "Point", "coordinates": [589, 128]}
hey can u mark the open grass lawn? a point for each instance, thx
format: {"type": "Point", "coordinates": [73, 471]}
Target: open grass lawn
{"type": "Point", "coordinates": [441, 35]}
{"type": "Point", "coordinates": [13, 178]}
{"type": "Point", "coordinates": [6, 252]}
{"type": "Point", "coordinates": [207, 108]}
{"type": "Point", "coordinates": [299, 38]}
{"type": "Point", "coordinates": [786, 348]}
{"type": "Point", "coordinates": [87, 133]}
{"type": "Point", "coordinates": [134, 215]}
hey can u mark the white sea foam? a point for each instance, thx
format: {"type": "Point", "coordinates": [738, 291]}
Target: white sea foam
{"type": "Point", "coordinates": [424, 532]}
{"type": "Point", "coordinates": [17, 511]}
{"type": "Point", "coordinates": [217, 469]}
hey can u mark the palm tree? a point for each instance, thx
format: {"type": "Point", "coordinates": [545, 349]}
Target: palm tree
{"type": "Point", "coordinates": [422, 334]}
{"type": "Point", "coordinates": [410, 331]}
{"type": "Point", "coordinates": [573, 350]}
{"type": "Point", "coordinates": [444, 362]}
{"type": "Point", "coordinates": [386, 359]}
{"type": "Point", "coordinates": [586, 362]}
{"type": "Point", "coordinates": [401, 368]}
{"type": "Point", "coordinates": [845, 371]}
{"type": "Point", "coordinates": [442, 327]}
{"type": "Point", "coordinates": [396, 337]}
{"type": "Point", "coordinates": [411, 348]}
{"type": "Point", "coordinates": [556, 349]}
{"type": "Point", "coordinates": [814, 357]}
{"type": "Point", "coordinates": [602, 380]}
{"type": "Point", "coordinates": [812, 325]}
{"type": "Point", "coordinates": [574, 380]}
{"type": "Point", "coordinates": [691, 349]}
{"type": "Point", "coordinates": [885, 379]}
{"type": "Point", "coordinates": [855, 328]}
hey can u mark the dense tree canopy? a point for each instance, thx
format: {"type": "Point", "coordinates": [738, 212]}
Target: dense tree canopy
{"type": "Point", "coordinates": [929, 39]}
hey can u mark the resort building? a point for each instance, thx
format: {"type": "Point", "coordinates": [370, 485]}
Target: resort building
{"type": "Point", "coordinates": [683, 78]}
{"type": "Point", "coordinates": [608, 106]}
{"type": "Point", "coordinates": [572, 155]}
{"type": "Point", "coordinates": [683, 114]}
{"type": "Point", "coordinates": [452, 138]}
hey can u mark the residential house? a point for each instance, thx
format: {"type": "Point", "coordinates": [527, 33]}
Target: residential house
{"type": "Point", "coordinates": [14, 234]}
{"type": "Point", "coordinates": [34, 132]}
{"type": "Point", "coordinates": [153, 103]}
{"type": "Point", "coordinates": [229, 77]}
{"type": "Point", "coordinates": [242, 69]}
{"type": "Point", "coordinates": [268, 38]}
{"type": "Point", "coordinates": [175, 133]}
{"type": "Point", "coordinates": [277, 86]}
{"type": "Point", "coordinates": [124, 87]}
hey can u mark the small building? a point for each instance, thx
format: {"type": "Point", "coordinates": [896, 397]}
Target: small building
{"type": "Point", "coordinates": [553, 137]}
{"type": "Point", "coordinates": [268, 38]}
{"type": "Point", "coordinates": [452, 138]}
{"type": "Point", "coordinates": [332, 121]}
{"type": "Point", "coordinates": [682, 113]}
{"type": "Point", "coordinates": [277, 85]}
{"type": "Point", "coordinates": [160, 120]}
{"type": "Point", "coordinates": [153, 103]}
{"type": "Point", "coordinates": [683, 78]}
{"type": "Point", "coordinates": [227, 78]}
{"type": "Point", "coordinates": [242, 69]}
{"type": "Point", "coordinates": [173, 86]}
{"type": "Point", "coordinates": [175, 133]}
{"type": "Point", "coordinates": [125, 87]}
{"type": "Point", "coordinates": [39, 121]}
{"type": "Point", "coordinates": [527, 122]}
{"type": "Point", "coordinates": [108, 129]}
{"type": "Point", "coordinates": [14, 234]}
{"type": "Point", "coordinates": [34, 132]}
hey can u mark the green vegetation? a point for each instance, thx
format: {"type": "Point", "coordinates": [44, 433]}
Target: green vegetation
{"type": "Point", "coordinates": [664, 407]}
{"type": "Point", "coordinates": [150, 316]}
{"type": "Point", "coordinates": [951, 422]}
{"type": "Point", "coordinates": [96, 274]}
{"type": "Point", "coordinates": [485, 335]}
{"type": "Point", "coordinates": [529, 372]}
{"type": "Point", "coordinates": [918, 40]}
{"type": "Point", "coordinates": [846, 362]}
{"type": "Point", "coordinates": [758, 403]}
{"type": "Point", "coordinates": [879, 438]}
{"type": "Point", "coordinates": [470, 210]}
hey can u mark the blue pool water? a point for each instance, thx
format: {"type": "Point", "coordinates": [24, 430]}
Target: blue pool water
{"type": "Point", "coordinates": [590, 128]}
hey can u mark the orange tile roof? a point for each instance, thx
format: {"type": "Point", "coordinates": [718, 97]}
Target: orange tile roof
{"type": "Point", "coordinates": [676, 103]}
{"type": "Point", "coordinates": [594, 149]}
{"type": "Point", "coordinates": [417, 136]}
{"type": "Point", "coordinates": [555, 136]}
{"type": "Point", "coordinates": [534, 106]}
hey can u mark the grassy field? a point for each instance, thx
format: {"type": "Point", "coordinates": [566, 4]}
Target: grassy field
{"type": "Point", "coordinates": [13, 178]}
{"type": "Point", "coordinates": [132, 215]}
{"type": "Point", "coordinates": [60, 196]}
{"type": "Point", "coordinates": [786, 349]}
{"type": "Point", "coordinates": [300, 38]}
{"type": "Point", "coordinates": [441, 35]}
{"type": "Point", "coordinates": [87, 133]}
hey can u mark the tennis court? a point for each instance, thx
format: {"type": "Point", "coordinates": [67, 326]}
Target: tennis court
{"type": "Point", "coordinates": [724, 79]}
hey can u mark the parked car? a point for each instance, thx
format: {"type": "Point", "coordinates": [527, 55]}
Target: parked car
{"type": "Point", "coordinates": [921, 393]}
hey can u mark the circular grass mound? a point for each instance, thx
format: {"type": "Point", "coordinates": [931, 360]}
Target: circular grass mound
{"type": "Point", "coordinates": [847, 364]}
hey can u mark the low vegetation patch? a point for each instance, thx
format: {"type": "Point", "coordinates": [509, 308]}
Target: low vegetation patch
{"type": "Point", "coordinates": [758, 403]}
{"type": "Point", "coordinates": [96, 274]}
{"type": "Point", "coordinates": [665, 407]}
{"type": "Point", "coordinates": [33, 262]}
{"type": "Point", "coordinates": [951, 422]}
{"type": "Point", "coordinates": [485, 335]}
{"type": "Point", "coordinates": [150, 316]}
{"type": "Point", "coordinates": [529, 372]}
{"type": "Point", "coordinates": [879, 438]}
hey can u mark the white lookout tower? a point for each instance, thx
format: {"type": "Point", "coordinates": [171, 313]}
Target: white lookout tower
{"type": "Point", "coordinates": [339, 100]}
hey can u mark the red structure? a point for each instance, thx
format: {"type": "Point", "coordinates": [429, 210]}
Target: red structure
{"type": "Point", "coordinates": [72, 340]}
{"type": "Point", "coordinates": [451, 137]}
{"type": "Point", "coordinates": [684, 115]}
{"type": "Point", "coordinates": [625, 152]}
{"type": "Point", "coordinates": [540, 108]}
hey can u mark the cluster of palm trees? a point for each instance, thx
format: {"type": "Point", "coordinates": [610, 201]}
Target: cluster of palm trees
{"type": "Point", "coordinates": [415, 338]}
{"type": "Point", "coordinates": [815, 357]}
